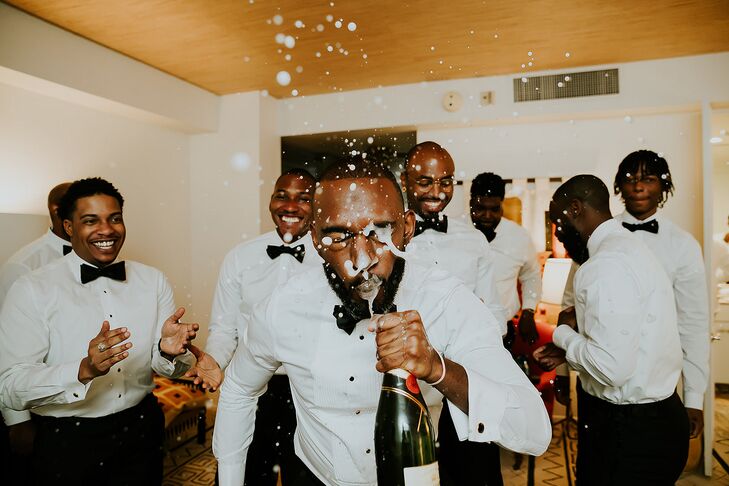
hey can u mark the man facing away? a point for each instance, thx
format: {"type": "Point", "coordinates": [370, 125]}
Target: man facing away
{"type": "Point", "coordinates": [318, 327]}
{"type": "Point", "coordinates": [644, 183]}
{"type": "Point", "coordinates": [455, 247]}
{"type": "Point", "coordinates": [18, 430]}
{"type": "Point", "coordinates": [79, 339]}
{"type": "Point", "coordinates": [633, 428]}
{"type": "Point", "coordinates": [249, 274]}
{"type": "Point", "coordinates": [515, 258]}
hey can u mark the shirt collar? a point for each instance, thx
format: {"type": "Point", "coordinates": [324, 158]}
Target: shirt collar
{"type": "Point", "coordinates": [56, 240]}
{"type": "Point", "coordinates": [629, 218]}
{"type": "Point", "coordinates": [604, 229]}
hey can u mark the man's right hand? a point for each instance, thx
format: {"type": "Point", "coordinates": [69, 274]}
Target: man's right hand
{"type": "Point", "coordinates": [206, 371]}
{"type": "Point", "coordinates": [104, 352]}
{"type": "Point", "coordinates": [21, 438]}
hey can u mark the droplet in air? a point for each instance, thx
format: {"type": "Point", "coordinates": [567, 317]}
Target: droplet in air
{"type": "Point", "coordinates": [280, 38]}
{"type": "Point", "coordinates": [351, 26]}
{"type": "Point", "coordinates": [353, 186]}
{"type": "Point", "coordinates": [370, 140]}
{"type": "Point", "coordinates": [294, 92]}
{"type": "Point", "coordinates": [240, 161]}
{"type": "Point", "coordinates": [628, 119]}
{"type": "Point", "coordinates": [289, 41]}
{"type": "Point", "coordinates": [530, 53]}
{"type": "Point", "coordinates": [299, 69]}
{"type": "Point", "coordinates": [277, 19]}
{"type": "Point", "coordinates": [567, 78]}
{"type": "Point", "coordinates": [566, 54]}
{"type": "Point", "coordinates": [338, 24]}
{"type": "Point", "coordinates": [283, 78]}
{"type": "Point", "coordinates": [560, 84]}
{"type": "Point", "coordinates": [287, 237]}
{"type": "Point", "coordinates": [299, 24]}
{"type": "Point", "coordinates": [524, 80]}
{"type": "Point", "coordinates": [320, 28]}
{"type": "Point", "coordinates": [330, 17]}
{"type": "Point", "coordinates": [326, 241]}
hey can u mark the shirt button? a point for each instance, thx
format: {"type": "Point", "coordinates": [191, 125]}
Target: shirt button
{"type": "Point", "coordinates": [356, 412]}
{"type": "Point", "coordinates": [120, 395]}
{"type": "Point", "coordinates": [481, 428]}
{"type": "Point", "coordinates": [361, 337]}
{"type": "Point", "coordinates": [351, 378]}
{"type": "Point", "coordinates": [368, 451]}
{"type": "Point", "coordinates": [76, 395]}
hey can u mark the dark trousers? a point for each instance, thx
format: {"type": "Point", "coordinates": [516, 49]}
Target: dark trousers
{"type": "Point", "coordinates": [465, 463]}
{"type": "Point", "coordinates": [300, 475]}
{"type": "Point", "coordinates": [627, 445]}
{"type": "Point", "coordinates": [124, 448]}
{"type": "Point", "coordinates": [272, 448]}
{"type": "Point", "coordinates": [16, 469]}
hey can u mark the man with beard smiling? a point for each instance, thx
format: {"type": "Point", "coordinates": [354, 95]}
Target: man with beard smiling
{"type": "Point", "coordinates": [66, 354]}
{"type": "Point", "coordinates": [454, 246]}
{"type": "Point", "coordinates": [317, 326]}
{"type": "Point", "coordinates": [633, 428]}
{"type": "Point", "coordinates": [248, 275]}
{"type": "Point", "coordinates": [644, 182]}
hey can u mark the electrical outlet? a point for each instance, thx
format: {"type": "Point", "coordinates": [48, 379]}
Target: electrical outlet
{"type": "Point", "coordinates": [487, 97]}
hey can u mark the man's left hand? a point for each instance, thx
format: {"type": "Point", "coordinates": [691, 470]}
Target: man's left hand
{"type": "Point", "coordinates": [549, 356]}
{"type": "Point", "coordinates": [696, 421]}
{"type": "Point", "coordinates": [527, 327]}
{"type": "Point", "coordinates": [402, 343]}
{"type": "Point", "coordinates": [568, 317]}
{"type": "Point", "coordinates": [176, 335]}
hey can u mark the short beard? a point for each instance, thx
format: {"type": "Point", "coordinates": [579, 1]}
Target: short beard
{"type": "Point", "coordinates": [390, 287]}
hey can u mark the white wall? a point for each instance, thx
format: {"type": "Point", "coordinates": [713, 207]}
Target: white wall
{"type": "Point", "coordinates": [18, 230]}
{"type": "Point", "coordinates": [224, 174]}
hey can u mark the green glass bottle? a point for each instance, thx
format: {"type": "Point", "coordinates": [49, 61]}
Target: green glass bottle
{"type": "Point", "coordinates": [404, 435]}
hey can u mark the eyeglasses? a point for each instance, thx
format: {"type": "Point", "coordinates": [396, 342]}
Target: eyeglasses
{"type": "Point", "coordinates": [426, 183]}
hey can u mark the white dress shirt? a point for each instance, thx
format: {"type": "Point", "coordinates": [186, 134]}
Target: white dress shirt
{"type": "Point", "coordinates": [34, 255]}
{"type": "Point", "coordinates": [46, 324]}
{"type": "Point", "coordinates": [680, 256]}
{"type": "Point", "coordinates": [514, 258]}
{"type": "Point", "coordinates": [628, 348]}
{"type": "Point", "coordinates": [248, 276]}
{"type": "Point", "coordinates": [336, 387]}
{"type": "Point", "coordinates": [463, 252]}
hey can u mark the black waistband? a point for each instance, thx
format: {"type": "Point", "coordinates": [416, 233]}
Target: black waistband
{"type": "Point", "coordinates": [629, 409]}
{"type": "Point", "coordinates": [148, 402]}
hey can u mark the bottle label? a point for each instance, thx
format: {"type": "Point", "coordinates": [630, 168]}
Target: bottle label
{"type": "Point", "coordinates": [422, 475]}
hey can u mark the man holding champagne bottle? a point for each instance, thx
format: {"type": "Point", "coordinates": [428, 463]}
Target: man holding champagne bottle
{"type": "Point", "coordinates": [318, 327]}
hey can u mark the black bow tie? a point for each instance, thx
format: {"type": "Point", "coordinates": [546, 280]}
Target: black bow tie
{"type": "Point", "coordinates": [347, 321]}
{"type": "Point", "coordinates": [115, 272]}
{"type": "Point", "coordinates": [437, 224]}
{"type": "Point", "coordinates": [651, 226]}
{"type": "Point", "coordinates": [66, 249]}
{"type": "Point", "coordinates": [296, 251]}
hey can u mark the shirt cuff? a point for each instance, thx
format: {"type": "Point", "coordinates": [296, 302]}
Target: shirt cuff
{"type": "Point", "coordinates": [563, 335]}
{"type": "Point", "coordinates": [176, 367]}
{"type": "Point", "coordinates": [74, 390]}
{"type": "Point", "coordinates": [693, 400]}
{"type": "Point", "coordinates": [486, 406]}
{"type": "Point", "coordinates": [14, 417]}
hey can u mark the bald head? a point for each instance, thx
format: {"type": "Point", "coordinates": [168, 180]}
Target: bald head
{"type": "Point", "coordinates": [586, 188]}
{"type": "Point", "coordinates": [54, 199]}
{"type": "Point", "coordinates": [428, 179]}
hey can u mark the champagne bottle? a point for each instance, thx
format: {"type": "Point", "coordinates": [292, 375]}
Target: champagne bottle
{"type": "Point", "coordinates": [404, 442]}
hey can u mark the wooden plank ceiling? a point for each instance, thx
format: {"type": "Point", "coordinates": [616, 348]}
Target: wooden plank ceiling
{"type": "Point", "coordinates": [228, 46]}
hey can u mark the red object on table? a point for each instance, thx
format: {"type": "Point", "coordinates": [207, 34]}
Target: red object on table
{"type": "Point", "coordinates": [543, 380]}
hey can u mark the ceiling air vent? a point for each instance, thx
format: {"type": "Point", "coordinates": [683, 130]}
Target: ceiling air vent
{"type": "Point", "coordinates": [566, 85]}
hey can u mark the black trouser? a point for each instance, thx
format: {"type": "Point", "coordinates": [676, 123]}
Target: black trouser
{"type": "Point", "coordinates": [300, 475]}
{"type": "Point", "coordinates": [16, 469]}
{"type": "Point", "coordinates": [465, 463]}
{"type": "Point", "coordinates": [624, 445]}
{"type": "Point", "coordinates": [273, 439]}
{"type": "Point", "coordinates": [124, 448]}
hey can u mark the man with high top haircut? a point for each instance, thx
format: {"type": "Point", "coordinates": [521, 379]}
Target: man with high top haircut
{"type": "Point", "coordinates": [66, 353]}
{"type": "Point", "coordinates": [318, 327]}
{"type": "Point", "coordinates": [250, 272]}
{"type": "Point", "coordinates": [633, 428]}
{"type": "Point", "coordinates": [53, 244]}
{"type": "Point", "coordinates": [515, 258]}
{"type": "Point", "coordinates": [454, 246]}
{"type": "Point", "coordinates": [644, 183]}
